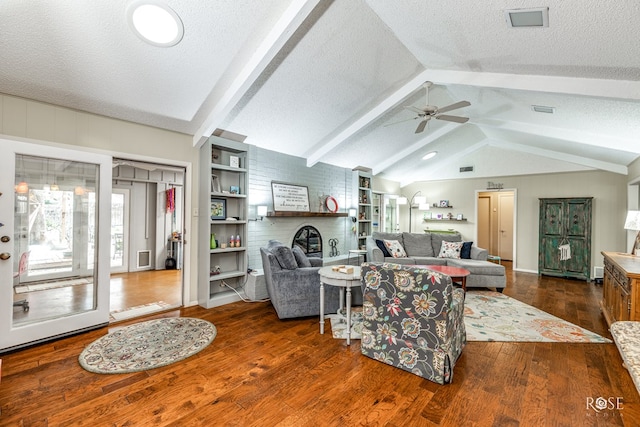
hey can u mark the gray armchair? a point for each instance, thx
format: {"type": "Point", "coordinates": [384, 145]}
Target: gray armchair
{"type": "Point", "coordinates": [293, 282]}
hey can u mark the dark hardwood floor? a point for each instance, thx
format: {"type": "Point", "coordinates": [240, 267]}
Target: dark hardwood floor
{"type": "Point", "coordinates": [263, 371]}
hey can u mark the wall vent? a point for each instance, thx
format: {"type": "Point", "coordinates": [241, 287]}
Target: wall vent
{"type": "Point", "coordinates": [598, 272]}
{"type": "Point", "coordinates": [466, 169]}
{"type": "Point", "coordinates": [144, 259]}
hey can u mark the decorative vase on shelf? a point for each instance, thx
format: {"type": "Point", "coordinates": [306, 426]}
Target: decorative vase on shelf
{"type": "Point", "coordinates": [213, 244]}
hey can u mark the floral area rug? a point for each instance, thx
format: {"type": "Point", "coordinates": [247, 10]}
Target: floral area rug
{"type": "Point", "coordinates": [147, 345]}
{"type": "Point", "coordinates": [339, 324]}
{"type": "Point", "coordinates": [492, 316]}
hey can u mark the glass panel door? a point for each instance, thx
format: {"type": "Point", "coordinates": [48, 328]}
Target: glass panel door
{"type": "Point", "coordinates": [119, 230]}
{"type": "Point", "coordinates": [50, 208]}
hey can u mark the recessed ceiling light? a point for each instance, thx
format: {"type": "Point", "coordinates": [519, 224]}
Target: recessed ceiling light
{"type": "Point", "coordinates": [155, 23]}
{"type": "Point", "coordinates": [429, 155]}
{"type": "Point", "coordinates": [534, 17]}
{"type": "Point", "coordinates": [543, 109]}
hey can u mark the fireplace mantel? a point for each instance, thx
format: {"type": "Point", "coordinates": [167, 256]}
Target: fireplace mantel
{"type": "Point", "coordinates": [307, 214]}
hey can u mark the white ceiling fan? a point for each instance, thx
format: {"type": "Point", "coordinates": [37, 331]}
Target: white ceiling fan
{"type": "Point", "coordinates": [428, 112]}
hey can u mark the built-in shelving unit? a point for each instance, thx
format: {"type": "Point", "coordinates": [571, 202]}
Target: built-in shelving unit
{"type": "Point", "coordinates": [223, 214]}
{"type": "Point", "coordinates": [377, 220]}
{"type": "Point", "coordinates": [364, 221]}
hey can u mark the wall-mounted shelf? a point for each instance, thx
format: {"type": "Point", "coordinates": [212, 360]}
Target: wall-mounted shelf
{"type": "Point", "coordinates": [307, 214]}
{"type": "Point", "coordinates": [445, 220]}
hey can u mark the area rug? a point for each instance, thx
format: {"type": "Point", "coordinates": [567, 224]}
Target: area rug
{"type": "Point", "coordinates": [32, 287]}
{"type": "Point", "coordinates": [492, 316]}
{"type": "Point", "coordinates": [137, 311]}
{"type": "Point", "coordinates": [339, 324]}
{"type": "Point", "coordinates": [147, 345]}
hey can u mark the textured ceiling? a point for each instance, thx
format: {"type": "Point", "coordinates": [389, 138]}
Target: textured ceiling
{"type": "Point", "coordinates": [329, 80]}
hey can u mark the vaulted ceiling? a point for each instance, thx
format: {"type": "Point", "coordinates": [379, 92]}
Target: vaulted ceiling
{"type": "Point", "coordinates": [329, 80]}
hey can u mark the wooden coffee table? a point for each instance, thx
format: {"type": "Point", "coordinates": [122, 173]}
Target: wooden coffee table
{"type": "Point", "coordinates": [457, 274]}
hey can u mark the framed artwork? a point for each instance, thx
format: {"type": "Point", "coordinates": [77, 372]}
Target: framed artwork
{"type": "Point", "coordinates": [444, 203]}
{"type": "Point", "coordinates": [438, 216]}
{"type": "Point", "coordinates": [290, 197]}
{"type": "Point", "coordinates": [459, 217]}
{"type": "Point", "coordinates": [215, 184]}
{"type": "Point", "coordinates": [234, 161]}
{"type": "Point", "coordinates": [234, 189]}
{"type": "Point", "coordinates": [218, 209]}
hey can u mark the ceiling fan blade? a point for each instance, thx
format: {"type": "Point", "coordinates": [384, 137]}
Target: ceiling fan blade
{"type": "Point", "coordinates": [452, 118]}
{"type": "Point", "coordinates": [400, 121]}
{"type": "Point", "coordinates": [422, 125]}
{"type": "Point", "coordinates": [454, 106]}
{"type": "Point", "coordinates": [414, 109]}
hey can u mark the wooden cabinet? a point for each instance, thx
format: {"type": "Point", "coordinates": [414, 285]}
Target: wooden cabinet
{"type": "Point", "coordinates": [620, 295]}
{"type": "Point", "coordinates": [222, 217]}
{"type": "Point", "coordinates": [364, 225]}
{"type": "Point", "coordinates": [564, 248]}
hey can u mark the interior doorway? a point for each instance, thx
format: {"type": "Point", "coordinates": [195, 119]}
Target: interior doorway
{"type": "Point", "coordinates": [496, 220]}
{"type": "Point", "coordinates": [147, 223]}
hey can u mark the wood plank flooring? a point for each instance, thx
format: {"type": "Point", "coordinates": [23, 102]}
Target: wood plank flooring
{"type": "Point", "coordinates": [261, 371]}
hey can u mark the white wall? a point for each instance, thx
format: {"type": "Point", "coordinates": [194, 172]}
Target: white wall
{"type": "Point", "coordinates": [609, 191]}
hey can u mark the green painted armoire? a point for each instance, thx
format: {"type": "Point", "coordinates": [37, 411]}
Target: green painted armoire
{"type": "Point", "coordinates": [564, 248]}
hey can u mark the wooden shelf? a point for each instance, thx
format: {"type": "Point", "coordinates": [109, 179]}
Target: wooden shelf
{"type": "Point", "coordinates": [307, 214]}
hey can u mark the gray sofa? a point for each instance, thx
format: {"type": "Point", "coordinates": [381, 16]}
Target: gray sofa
{"type": "Point", "coordinates": [424, 248]}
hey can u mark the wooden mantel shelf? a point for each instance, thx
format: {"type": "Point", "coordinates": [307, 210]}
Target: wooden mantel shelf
{"type": "Point", "coordinates": [307, 214]}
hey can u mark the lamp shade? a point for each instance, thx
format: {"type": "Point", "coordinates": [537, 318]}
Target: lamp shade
{"type": "Point", "coordinates": [22, 188]}
{"type": "Point", "coordinates": [633, 220]}
{"type": "Point", "coordinates": [419, 200]}
{"type": "Point", "coordinates": [352, 212]}
{"type": "Point", "coordinates": [262, 210]}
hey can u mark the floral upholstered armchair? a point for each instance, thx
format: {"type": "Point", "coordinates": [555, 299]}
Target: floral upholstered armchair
{"type": "Point", "coordinates": [413, 319]}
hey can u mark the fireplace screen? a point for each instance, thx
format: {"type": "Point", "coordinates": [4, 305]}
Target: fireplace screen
{"type": "Point", "coordinates": [309, 240]}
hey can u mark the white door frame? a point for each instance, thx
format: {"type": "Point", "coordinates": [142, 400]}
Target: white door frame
{"type": "Point", "coordinates": [12, 336]}
{"type": "Point", "coordinates": [515, 220]}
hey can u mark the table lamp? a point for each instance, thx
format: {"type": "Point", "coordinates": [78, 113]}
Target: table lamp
{"type": "Point", "coordinates": [633, 223]}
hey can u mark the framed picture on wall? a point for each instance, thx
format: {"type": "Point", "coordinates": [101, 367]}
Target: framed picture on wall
{"type": "Point", "coordinates": [218, 209]}
{"type": "Point", "coordinates": [444, 203]}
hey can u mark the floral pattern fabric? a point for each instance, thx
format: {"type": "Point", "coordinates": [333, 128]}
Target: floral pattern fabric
{"type": "Point", "coordinates": [413, 319]}
{"type": "Point", "coordinates": [450, 250]}
{"type": "Point", "coordinates": [395, 248]}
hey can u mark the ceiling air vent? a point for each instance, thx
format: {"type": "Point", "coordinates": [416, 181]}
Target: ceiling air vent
{"type": "Point", "coordinates": [543, 109]}
{"type": "Point", "coordinates": [466, 169]}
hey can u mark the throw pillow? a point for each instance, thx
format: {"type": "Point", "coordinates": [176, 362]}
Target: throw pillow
{"type": "Point", "coordinates": [465, 252]}
{"type": "Point", "coordinates": [383, 248]}
{"type": "Point", "coordinates": [450, 249]}
{"type": "Point", "coordinates": [301, 257]}
{"type": "Point", "coordinates": [395, 249]}
{"type": "Point", "coordinates": [285, 257]}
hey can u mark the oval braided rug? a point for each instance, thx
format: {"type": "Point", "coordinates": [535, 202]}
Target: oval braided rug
{"type": "Point", "coordinates": [147, 345]}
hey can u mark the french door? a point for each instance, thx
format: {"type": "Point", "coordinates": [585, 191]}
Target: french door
{"type": "Point", "coordinates": [55, 207]}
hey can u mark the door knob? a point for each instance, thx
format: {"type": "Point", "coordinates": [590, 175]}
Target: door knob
{"type": "Point", "coordinates": [5, 256]}
{"type": "Point", "coordinates": [5, 239]}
